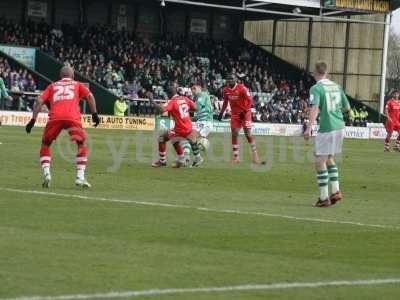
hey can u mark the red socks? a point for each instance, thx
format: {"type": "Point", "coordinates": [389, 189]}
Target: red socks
{"type": "Point", "coordinates": [162, 150]}
{"type": "Point", "coordinates": [235, 147]}
{"type": "Point", "coordinates": [45, 158]}
{"type": "Point", "coordinates": [81, 157]}
{"type": "Point", "coordinates": [179, 151]}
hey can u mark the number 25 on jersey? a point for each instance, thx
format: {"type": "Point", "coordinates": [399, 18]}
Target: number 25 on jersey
{"type": "Point", "coordinates": [64, 92]}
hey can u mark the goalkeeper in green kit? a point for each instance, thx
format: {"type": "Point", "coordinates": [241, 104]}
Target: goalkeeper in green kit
{"type": "Point", "coordinates": [202, 119]}
{"type": "Point", "coordinates": [329, 101]}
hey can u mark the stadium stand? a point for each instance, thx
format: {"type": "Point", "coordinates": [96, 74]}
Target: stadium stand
{"type": "Point", "coordinates": [128, 65]}
{"type": "Point", "coordinates": [17, 81]}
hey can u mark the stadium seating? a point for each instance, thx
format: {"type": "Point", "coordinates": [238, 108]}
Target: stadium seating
{"type": "Point", "coordinates": [128, 65]}
{"type": "Point", "coordinates": [17, 81]}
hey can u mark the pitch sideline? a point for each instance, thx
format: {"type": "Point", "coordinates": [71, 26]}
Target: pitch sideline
{"type": "Point", "coordinates": [227, 211]}
{"type": "Point", "coordinates": [236, 288]}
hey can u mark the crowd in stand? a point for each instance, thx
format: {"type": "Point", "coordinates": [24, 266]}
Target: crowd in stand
{"type": "Point", "coordinates": [129, 65]}
{"type": "Point", "coordinates": [16, 81]}
{"type": "Point", "coordinates": [358, 117]}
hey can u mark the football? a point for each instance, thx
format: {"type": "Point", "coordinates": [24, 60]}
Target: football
{"type": "Point", "coordinates": [204, 144]}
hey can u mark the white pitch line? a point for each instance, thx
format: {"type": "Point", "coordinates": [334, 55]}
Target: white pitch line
{"type": "Point", "coordinates": [93, 198]}
{"type": "Point", "coordinates": [235, 288]}
{"type": "Point", "coordinates": [297, 218]}
{"type": "Point", "coordinates": [214, 210]}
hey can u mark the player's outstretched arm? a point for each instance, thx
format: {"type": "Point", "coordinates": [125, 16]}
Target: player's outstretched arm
{"type": "Point", "coordinates": [159, 109]}
{"type": "Point", "coordinates": [93, 109]}
{"type": "Point", "coordinates": [37, 108]}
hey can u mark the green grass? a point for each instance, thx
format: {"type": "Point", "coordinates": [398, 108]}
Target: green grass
{"type": "Point", "coordinates": [52, 245]}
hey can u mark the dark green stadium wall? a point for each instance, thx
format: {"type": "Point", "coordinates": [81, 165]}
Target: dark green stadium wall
{"type": "Point", "coordinates": [50, 67]}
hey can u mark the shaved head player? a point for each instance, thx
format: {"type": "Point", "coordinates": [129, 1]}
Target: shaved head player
{"type": "Point", "coordinates": [63, 97]}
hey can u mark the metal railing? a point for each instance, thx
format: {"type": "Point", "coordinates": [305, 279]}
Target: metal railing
{"type": "Point", "coordinates": [21, 100]}
{"type": "Point", "coordinates": [136, 106]}
{"type": "Point", "coordinates": [140, 106]}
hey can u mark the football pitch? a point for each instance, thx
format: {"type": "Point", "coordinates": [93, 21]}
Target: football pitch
{"type": "Point", "coordinates": [216, 232]}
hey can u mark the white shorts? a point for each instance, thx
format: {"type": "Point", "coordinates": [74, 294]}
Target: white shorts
{"type": "Point", "coordinates": [203, 127]}
{"type": "Point", "coordinates": [329, 143]}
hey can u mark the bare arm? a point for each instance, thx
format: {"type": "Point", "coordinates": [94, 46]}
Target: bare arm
{"type": "Point", "coordinates": [345, 103]}
{"type": "Point", "coordinates": [346, 109]}
{"type": "Point", "coordinates": [37, 108]}
{"type": "Point", "coordinates": [93, 109]}
{"type": "Point", "coordinates": [224, 106]}
{"type": "Point", "coordinates": [92, 103]}
{"type": "Point", "coordinates": [159, 109]}
{"type": "Point", "coordinates": [387, 114]}
{"type": "Point", "coordinates": [314, 111]}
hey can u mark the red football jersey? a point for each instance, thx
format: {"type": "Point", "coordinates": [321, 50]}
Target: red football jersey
{"type": "Point", "coordinates": [180, 107]}
{"type": "Point", "coordinates": [63, 99]}
{"type": "Point", "coordinates": [239, 99]}
{"type": "Point", "coordinates": [393, 108]}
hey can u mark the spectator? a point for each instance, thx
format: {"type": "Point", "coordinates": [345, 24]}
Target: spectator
{"type": "Point", "coordinates": [363, 116]}
{"type": "Point", "coordinates": [130, 66]}
{"type": "Point", "coordinates": [3, 94]}
{"type": "Point", "coordinates": [352, 117]}
{"type": "Point", "coordinates": [15, 81]}
{"type": "Point", "coordinates": [120, 107]}
{"type": "Point", "coordinates": [356, 116]}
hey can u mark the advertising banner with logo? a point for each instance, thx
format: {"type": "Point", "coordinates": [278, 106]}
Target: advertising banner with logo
{"type": "Point", "coordinates": [357, 133]}
{"type": "Point", "coordinates": [163, 124]}
{"type": "Point", "coordinates": [306, 3]}
{"type": "Point", "coordinates": [221, 127]}
{"type": "Point", "coordinates": [263, 129]}
{"type": "Point", "coordinates": [17, 118]}
{"type": "Point", "coordinates": [377, 6]}
{"type": "Point", "coordinates": [379, 133]}
{"type": "Point", "coordinates": [288, 130]}
{"type": "Point", "coordinates": [26, 56]}
{"type": "Point", "coordinates": [113, 122]}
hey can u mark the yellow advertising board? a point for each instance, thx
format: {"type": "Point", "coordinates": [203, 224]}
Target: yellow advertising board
{"type": "Point", "coordinates": [18, 118]}
{"type": "Point", "coordinates": [378, 6]}
{"type": "Point", "coordinates": [113, 122]}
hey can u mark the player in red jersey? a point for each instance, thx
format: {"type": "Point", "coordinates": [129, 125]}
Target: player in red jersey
{"type": "Point", "coordinates": [392, 111]}
{"type": "Point", "coordinates": [179, 107]}
{"type": "Point", "coordinates": [240, 100]}
{"type": "Point", "coordinates": [62, 98]}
